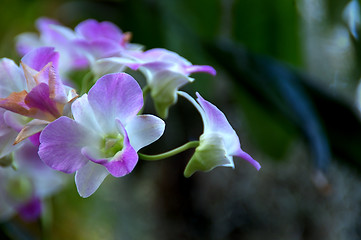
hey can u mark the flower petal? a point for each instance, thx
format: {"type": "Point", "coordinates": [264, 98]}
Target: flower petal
{"type": "Point", "coordinates": [112, 65]}
{"type": "Point", "coordinates": [240, 153]}
{"type": "Point", "coordinates": [83, 113]}
{"type": "Point", "coordinates": [122, 163]}
{"type": "Point", "coordinates": [89, 177]}
{"type": "Point", "coordinates": [40, 57]}
{"type": "Point", "coordinates": [200, 68]}
{"type": "Point", "coordinates": [11, 78]}
{"type": "Point", "coordinates": [144, 130]}
{"type": "Point", "coordinates": [31, 128]}
{"type": "Point", "coordinates": [164, 87]}
{"type": "Point", "coordinates": [209, 154]}
{"type": "Point", "coordinates": [91, 30]}
{"type": "Point", "coordinates": [39, 98]}
{"type": "Point", "coordinates": [216, 121]}
{"type": "Point", "coordinates": [61, 143]}
{"type": "Point", "coordinates": [115, 96]}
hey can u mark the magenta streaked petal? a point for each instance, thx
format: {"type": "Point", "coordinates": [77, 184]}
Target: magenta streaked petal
{"type": "Point", "coordinates": [200, 68]}
{"type": "Point", "coordinates": [115, 96]}
{"type": "Point", "coordinates": [89, 178]}
{"type": "Point", "coordinates": [61, 143]}
{"type": "Point", "coordinates": [39, 98]}
{"type": "Point", "coordinates": [40, 57]}
{"type": "Point", "coordinates": [91, 30]}
{"type": "Point", "coordinates": [144, 130]}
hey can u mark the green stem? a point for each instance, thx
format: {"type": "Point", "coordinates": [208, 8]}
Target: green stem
{"type": "Point", "coordinates": [192, 144]}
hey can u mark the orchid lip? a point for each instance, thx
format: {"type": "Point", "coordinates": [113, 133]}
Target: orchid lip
{"type": "Point", "coordinates": [111, 144]}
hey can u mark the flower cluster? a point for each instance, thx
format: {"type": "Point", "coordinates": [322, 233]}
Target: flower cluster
{"type": "Point", "coordinates": [47, 127]}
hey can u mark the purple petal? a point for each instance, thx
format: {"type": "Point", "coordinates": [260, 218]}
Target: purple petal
{"type": "Point", "coordinates": [91, 29]}
{"type": "Point", "coordinates": [248, 158]}
{"type": "Point", "coordinates": [163, 55]}
{"type": "Point", "coordinates": [40, 57]}
{"type": "Point", "coordinates": [200, 68]}
{"type": "Point", "coordinates": [215, 120]}
{"type": "Point", "coordinates": [39, 98]}
{"type": "Point", "coordinates": [35, 139]}
{"type": "Point", "coordinates": [101, 48]}
{"type": "Point", "coordinates": [26, 42]}
{"type": "Point", "coordinates": [115, 96]}
{"type": "Point", "coordinates": [144, 130]}
{"type": "Point", "coordinates": [43, 23]}
{"type": "Point", "coordinates": [61, 143]}
{"type": "Point", "coordinates": [89, 178]}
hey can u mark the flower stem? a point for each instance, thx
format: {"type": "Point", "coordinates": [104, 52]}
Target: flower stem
{"type": "Point", "coordinates": [192, 144]}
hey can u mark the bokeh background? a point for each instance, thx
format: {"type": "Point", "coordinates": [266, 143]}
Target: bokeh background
{"type": "Point", "coordinates": [287, 79]}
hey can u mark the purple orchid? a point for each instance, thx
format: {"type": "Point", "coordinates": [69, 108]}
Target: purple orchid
{"type": "Point", "coordinates": [165, 72]}
{"type": "Point", "coordinates": [103, 39]}
{"type": "Point", "coordinates": [104, 136]}
{"type": "Point", "coordinates": [53, 34]}
{"type": "Point", "coordinates": [219, 142]}
{"type": "Point", "coordinates": [23, 190]}
{"type": "Point", "coordinates": [34, 92]}
{"type": "Point", "coordinates": [79, 48]}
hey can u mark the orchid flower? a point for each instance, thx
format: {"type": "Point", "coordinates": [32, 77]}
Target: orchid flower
{"type": "Point", "coordinates": [104, 136]}
{"type": "Point", "coordinates": [53, 34]}
{"type": "Point", "coordinates": [103, 39]}
{"type": "Point", "coordinates": [39, 93]}
{"type": "Point", "coordinates": [23, 190]}
{"type": "Point", "coordinates": [164, 70]}
{"type": "Point", "coordinates": [218, 143]}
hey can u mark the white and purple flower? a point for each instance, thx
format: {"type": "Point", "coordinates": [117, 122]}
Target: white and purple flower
{"type": "Point", "coordinates": [104, 136]}
{"type": "Point", "coordinates": [164, 70]}
{"type": "Point", "coordinates": [34, 94]}
{"type": "Point", "coordinates": [219, 142]}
